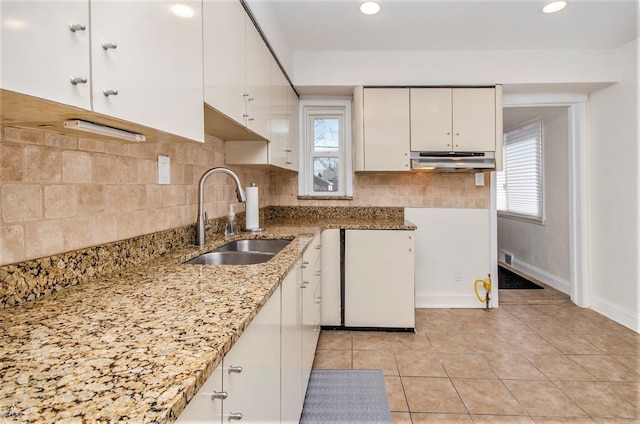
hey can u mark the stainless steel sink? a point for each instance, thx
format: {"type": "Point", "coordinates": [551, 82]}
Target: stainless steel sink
{"type": "Point", "coordinates": [242, 252]}
{"type": "Point", "coordinates": [254, 245]}
{"type": "Point", "coordinates": [231, 258]}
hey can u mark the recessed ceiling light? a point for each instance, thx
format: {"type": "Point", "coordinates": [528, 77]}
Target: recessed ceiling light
{"type": "Point", "coordinates": [369, 7]}
{"type": "Point", "coordinates": [554, 6]}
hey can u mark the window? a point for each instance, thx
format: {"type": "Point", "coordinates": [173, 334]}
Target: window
{"type": "Point", "coordinates": [326, 168]}
{"type": "Point", "coordinates": [519, 185]}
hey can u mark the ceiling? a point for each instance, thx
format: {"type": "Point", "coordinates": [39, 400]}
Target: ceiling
{"type": "Point", "coordinates": [436, 25]}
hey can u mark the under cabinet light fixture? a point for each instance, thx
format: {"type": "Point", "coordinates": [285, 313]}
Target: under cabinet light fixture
{"type": "Point", "coordinates": [77, 124]}
{"type": "Point", "coordinates": [369, 7]}
{"type": "Point", "coordinates": [554, 6]}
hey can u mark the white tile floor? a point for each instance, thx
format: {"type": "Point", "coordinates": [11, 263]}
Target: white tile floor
{"type": "Point", "coordinates": [536, 359]}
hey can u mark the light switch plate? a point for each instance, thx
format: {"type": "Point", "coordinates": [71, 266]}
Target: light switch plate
{"type": "Point", "coordinates": [164, 170]}
{"type": "Point", "coordinates": [479, 179]}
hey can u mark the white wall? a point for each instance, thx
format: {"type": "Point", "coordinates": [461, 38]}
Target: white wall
{"type": "Point", "coordinates": [544, 249]}
{"type": "Point", "coordinates": [614, 187]}
{"type": "Point", "coordinates": [451, 252]}
{"type": "Point", "coordinates": [451, 68]}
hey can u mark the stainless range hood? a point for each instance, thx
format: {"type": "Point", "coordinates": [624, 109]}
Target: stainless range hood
{"type": "Point", "coordinates": [453, 161]}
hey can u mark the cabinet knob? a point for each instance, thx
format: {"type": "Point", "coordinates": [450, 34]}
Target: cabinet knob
{"type": "Point", "coordinates": [110, 92]}
{"type": "Point", "coordinates": [288, 150]}
{"type": "Point", "coordinates": [77, 27]}
{"type": "Point", "coordinates": [235, 416]}
{"type": "Point", "coordinates": [219, 395]}
{"type": "Point", "coordinates": [236, 370]}
{"type": "Point", "coordinates": [304, 284]}
{"type": "Point", "coordinates": [107, 46]}
{"type": "Point", "coordinates": [78, 80]}
{"type": "Point", "coordinates": [289, 163]}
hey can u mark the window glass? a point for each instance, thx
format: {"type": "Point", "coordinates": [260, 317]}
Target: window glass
{"type": "Point", "coordinates": [326, 174]}
{"type": "Point", "coordinates": [326, 134]}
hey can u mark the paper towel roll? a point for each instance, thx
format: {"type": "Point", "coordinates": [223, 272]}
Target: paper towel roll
{"type": "Point", "coordinates": [252, 206]}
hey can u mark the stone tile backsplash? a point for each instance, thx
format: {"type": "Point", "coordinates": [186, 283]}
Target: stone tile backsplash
{"type": "Point", "coordinates": [61, 193]}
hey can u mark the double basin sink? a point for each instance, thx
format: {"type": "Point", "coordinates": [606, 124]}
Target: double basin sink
{"type": "Point", "coordinates": [241, 252]}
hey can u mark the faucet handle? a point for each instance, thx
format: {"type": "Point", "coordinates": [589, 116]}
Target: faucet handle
{"type": "Point", "coordinates": [207, 226]}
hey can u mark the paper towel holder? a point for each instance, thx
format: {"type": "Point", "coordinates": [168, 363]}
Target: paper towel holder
{"type": "Point", "coordinates": [252, 230]}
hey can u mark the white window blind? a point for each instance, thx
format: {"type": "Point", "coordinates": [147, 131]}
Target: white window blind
{"type": "Point", "coordinates": [519, 185]}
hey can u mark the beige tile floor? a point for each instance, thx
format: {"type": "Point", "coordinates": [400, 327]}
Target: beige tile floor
{"type": "Point", "coordinates": [536, 359]}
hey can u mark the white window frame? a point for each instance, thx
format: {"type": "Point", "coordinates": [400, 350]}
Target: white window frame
{"type": "Point", "coordinates": [506, 213]}
{"type": "Point", "coordinates": [308, 109]}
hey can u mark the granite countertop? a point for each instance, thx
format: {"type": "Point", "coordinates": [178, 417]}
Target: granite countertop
{"type": "Point", "coordinates": [137, 344]}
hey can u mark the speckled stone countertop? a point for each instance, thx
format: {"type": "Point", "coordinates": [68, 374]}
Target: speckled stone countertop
{"type": "Point", "coordinates": [136, 345]}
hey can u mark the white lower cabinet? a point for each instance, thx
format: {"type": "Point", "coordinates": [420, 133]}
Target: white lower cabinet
{"type": "Point", "coordinates": [291, 373]}
{"type": "Point", "coordinates": [379, 279]}
{"type": "Point", "coordinates": [206, 405]}
{"type": "Point", "coordinates": [250, 376]}
{"type": "Point", "coordinates": [251, 369]}
{"type": "Point", "coordinates": [330, 280]}
{"type": "Point", "coordinates": [311, 298]}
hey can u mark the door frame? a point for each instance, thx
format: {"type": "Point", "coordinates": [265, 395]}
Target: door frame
{"type": "Point", "coordinates": [579, 240]}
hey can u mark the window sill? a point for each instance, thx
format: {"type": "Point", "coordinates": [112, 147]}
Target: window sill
{"type": "Point", "coordinates": [523, 218]}
{"type": "Point", "coordinates": [325, 197]}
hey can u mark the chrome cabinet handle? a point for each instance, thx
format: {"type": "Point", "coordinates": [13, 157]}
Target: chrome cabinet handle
{"type": "Point", "coordinates": [235, 415]}
{"type": "Point", "coordinates": [78, 80]}
{"type": "Point", "coordinates": [236, 370]}
{"type": "Point", "coordinates": [304, 284]}
{"type": "Point", "coordinates": [107, 46]}
{"type": "Point", "coordinates": [219, 395]}
{"type": "Point", "coordinates": [77, 27]}
{"type": "Point", "coordinates": [288, 150]}
{"type": "Point", "coordinates": [110, 92]}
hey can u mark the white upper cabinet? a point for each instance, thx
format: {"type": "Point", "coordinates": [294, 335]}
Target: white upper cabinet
{"type": "Point", "coordinates": [281, 120]}
{"type": "Point", "coordinates": [386, 141]}
{"type": "Point", "coordinates": [225, 61]}
{"type": "Point", "coordinates": [44, 45]}
{"type": "Point", "coordinates": [237, 68]}
{"type": "Point", "coordinates": [258, 82]}
{"type": "Point", "coordinates": [139, 62]}
{"type": "Point", "coordinates": [150, 54]}
{"type": "Point", "coordinates": [453, 119]}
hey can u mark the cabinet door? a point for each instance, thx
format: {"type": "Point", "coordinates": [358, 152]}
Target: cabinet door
{"type": "Point", "coordinates": [40, 54]}
{"type": "Point", "coordinates": [330, 277]}
{"type": "Point", "coordinates": [278, 118]}
{"type": "Point", "coordinates": [474, 119]}
{"type": "Point", "coordinates": [310, 307]}
{"type": "Point", "coordinates": [386, 129]}
{"type": "Point", "coordinates": [225, 62]}
{"type": "Point", "coordinates": [204, 407]}
{"type": "Point", "coordinates": [292, 116]}
{"type": "Point", "coordinates": [258, 81]}
{"type": "Point", "coordinates": [254, 392]}
{"type": "Point", "coordinates": [431, 119]}
{"type": "Point", "coordinates": [151, 53]}
{"type": "Point", "coordinates": [379, 279]}
{"type": "Point", "coordinates": [292, 396]}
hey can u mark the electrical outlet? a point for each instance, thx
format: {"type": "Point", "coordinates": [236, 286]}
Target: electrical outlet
{"type": "Point", "coordinates": [458, 276]}
{"type": "Point", "coordinates": [164, 170]}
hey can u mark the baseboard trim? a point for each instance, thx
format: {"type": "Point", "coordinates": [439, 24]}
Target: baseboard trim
{"type": "Point", "coordinates": [448, 300]}
{"type": "Point", "coordinates": [549, 279]}
{"type": "Point", "coordinates": [620, 315]}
